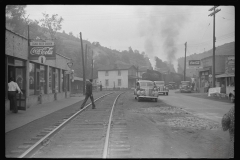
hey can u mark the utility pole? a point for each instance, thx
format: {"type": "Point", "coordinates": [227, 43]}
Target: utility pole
{"type": "Point", "coordinates": [214, 40]}
{"type": "Point", "coordinates": [83, 64]}
{"type": "Point", "coordinates": [185, 62]}
{"type": "Point", "coordinates": [137, 73]}
{"type": "Point", "coordinates": [92, 64]}
{"type": "Point", "coordinates": [86, 61]}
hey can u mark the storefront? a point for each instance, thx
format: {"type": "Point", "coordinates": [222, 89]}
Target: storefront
{"type": "Point", "coordinates": [227, 79]}
{"type": "Point", "coordinates": [41, 81]}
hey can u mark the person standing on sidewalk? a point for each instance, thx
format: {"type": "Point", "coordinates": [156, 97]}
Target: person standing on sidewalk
{"type": "Point", "coordinates": [88, 94]}
{"type": "Point", "coordinates": [228, 121]}
{"type": "Point", "coordinates": [12, 91]}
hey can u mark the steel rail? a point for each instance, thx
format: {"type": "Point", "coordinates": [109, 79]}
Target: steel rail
{"type": "Point", "coordinates": [105, 150]}
{"type": "Point", "coordinates": [38, 143]}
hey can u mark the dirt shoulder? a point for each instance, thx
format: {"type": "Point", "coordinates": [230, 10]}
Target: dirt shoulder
{"type": "Point", "coordinates": [158, 130]}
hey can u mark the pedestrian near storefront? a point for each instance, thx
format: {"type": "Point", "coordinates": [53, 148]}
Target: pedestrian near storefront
{"type": "Point", "coordinates": [88, 94]}
{"type": "Point", "coordinates": [12, 91]}
{"type": "Point", "coordinates": [100, 86]}
{"type": "Point", "coordinates": [228, 121]}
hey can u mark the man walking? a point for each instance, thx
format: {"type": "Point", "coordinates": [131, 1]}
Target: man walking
{"type": "Point", "coordinates": [88, 94]}
{"type": "Point", "coordinates": [12, 89]}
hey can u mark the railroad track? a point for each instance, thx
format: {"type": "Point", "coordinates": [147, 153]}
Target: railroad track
{"type": "Point", "coordinates": [88, 133]}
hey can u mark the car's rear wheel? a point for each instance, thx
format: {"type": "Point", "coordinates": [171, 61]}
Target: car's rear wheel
{"type": "Point", "coordinates": [138, 99]}
{"type": "Point", "coordinates": [167, 93]}
{"type": "Point", "coordinates": [156, 99]}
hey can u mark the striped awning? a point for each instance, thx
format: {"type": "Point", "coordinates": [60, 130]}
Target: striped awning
{"type": "Point", "coordinates": [225, 75]}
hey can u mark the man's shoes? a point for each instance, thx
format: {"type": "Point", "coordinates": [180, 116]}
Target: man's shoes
{"type": "Point", "coordinates": [93, 107]}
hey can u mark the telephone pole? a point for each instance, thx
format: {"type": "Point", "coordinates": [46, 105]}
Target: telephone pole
{"type": "Point", "coordinates": [185, 62]}
{"type": "Point", "coordinates": [86, 61]}
{"type": "Point", "coordinates": [214, 40]}
{"type": "Point", "coordinates": [83, 64]}
{"type": "Point", "coordinates": [92, 64]}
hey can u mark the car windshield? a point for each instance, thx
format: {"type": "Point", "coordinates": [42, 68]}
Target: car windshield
{"type": "Point", "coordinates": [159, 83]}
{"type": "Point", "coordinates": [185, 83]}
{"type": "Point", "coordinates": [146, 84]}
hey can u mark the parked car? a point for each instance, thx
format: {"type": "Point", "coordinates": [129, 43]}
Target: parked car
{"type": "Point", "coordinates": [185, 86]}
{"type": "Point", "coordinates": [162, 89]}
{"type": "Point", "coordinates": [171, 85]}
{"type": "Point", "coordinates": [146, 90]}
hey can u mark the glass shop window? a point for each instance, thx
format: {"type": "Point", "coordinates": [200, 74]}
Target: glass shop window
{"type": "Point", "coordinates": [43, 85]}
{"type": "Point", "coordinates": [56, 80]}
{"type": "Point", "coordinates": [50, 87]}
{"type": "Point", "coordinates": [31, 78]}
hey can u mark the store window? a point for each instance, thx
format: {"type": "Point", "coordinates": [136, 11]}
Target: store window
{"type": "Point", "coordinates": [50, 80]}
{"type": "Point", "coordinates": [18, 62]}
{"type": "Point", "coordinates": [106, 73]}
{"type": "Point", "coordinates": [31, 78]}
{"type": "Point", "coordinates": [56, 80]}
{"type": "Point", "coordinates": [62, 80]}
{"type": "Point", "coordinates": [43, 85]}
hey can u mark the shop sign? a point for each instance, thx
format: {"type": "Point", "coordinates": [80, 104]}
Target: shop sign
{"type": "Point", "coordinates": [39, 48]}
{"type": "Point", "coordinates": [194, 62]}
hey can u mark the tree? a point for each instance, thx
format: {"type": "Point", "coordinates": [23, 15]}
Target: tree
{"type": "Point", "coordinates": [15, 18]}
{"type": "Point", "coordinates": [51, 24]}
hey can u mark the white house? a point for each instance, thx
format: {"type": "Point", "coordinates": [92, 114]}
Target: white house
{"type": "Point", "coordinates": [117, 76]}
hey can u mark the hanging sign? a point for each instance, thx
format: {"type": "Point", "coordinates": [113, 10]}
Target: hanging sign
{"type": "Point", "coordinates": [39, 48]}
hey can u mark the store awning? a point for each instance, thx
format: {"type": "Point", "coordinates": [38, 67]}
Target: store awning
{"type": "Point", "coordinates": [225, 75]}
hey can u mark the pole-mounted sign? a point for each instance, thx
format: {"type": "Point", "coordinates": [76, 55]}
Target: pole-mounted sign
{"type": "Point", "coordinates": [40, 48]}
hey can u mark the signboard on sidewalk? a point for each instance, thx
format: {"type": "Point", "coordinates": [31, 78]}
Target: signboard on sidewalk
{"type": "Point", "coordinates": [214, 90]}
{"type": "Point", "coordinates": [39, 48]}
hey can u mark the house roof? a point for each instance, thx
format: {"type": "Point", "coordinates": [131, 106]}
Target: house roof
{"type": "Point", "coordinates": [116, 67]}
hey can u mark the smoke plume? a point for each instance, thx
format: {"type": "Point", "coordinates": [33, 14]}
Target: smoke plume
{"type": "Point", "coordinates": [161, 29]}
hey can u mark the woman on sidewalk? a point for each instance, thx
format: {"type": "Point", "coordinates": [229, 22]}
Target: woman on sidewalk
{"type": "Point", "coordinates": [12, 91]}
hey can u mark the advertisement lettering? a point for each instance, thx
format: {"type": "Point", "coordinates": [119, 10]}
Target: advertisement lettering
{"type": "Point", "coordinates": [194, 62]}
{"type": "Point", "coordinates": [41, 51]}
{"type": "Point", "coordinates": [46, 49]}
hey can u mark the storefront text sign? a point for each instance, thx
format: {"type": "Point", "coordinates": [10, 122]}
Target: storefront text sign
{"type": "Point", "coordinates": [214, 90]}
{"type": "Point", "coordinates": [39, 48]}
{"type": "Point", "coordinates": [194, 62]}
{"type": "Point", "coordinates": [230, 64]}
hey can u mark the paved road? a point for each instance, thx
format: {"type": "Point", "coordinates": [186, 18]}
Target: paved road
{"type": "Point", "coordinates": [198, 106]}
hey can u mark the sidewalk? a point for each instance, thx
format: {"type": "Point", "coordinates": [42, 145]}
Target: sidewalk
{"type": "Point", "coordinates": [16, 120]}
{"type": "Point", "coordinates": [205, 96]}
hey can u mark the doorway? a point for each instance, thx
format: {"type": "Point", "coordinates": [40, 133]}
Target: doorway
{"type": "Point", "coordinates": [18, 73]}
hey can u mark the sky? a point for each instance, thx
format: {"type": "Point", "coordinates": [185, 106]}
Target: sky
{"type": "Point", "coordinates": [158, 30]}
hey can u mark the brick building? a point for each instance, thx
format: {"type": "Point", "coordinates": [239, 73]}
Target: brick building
{"type": "Point", "coordinates": [39, 81]}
